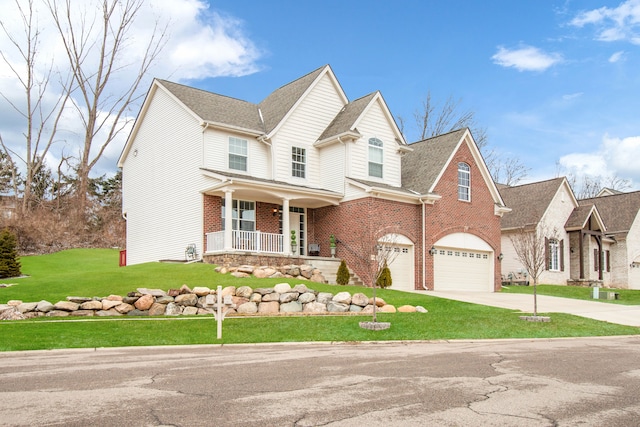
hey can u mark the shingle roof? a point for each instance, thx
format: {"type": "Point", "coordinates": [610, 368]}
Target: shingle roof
{"type": "Point", "coordinates": [421, 168]}
{"type": "Point", "coordinates": [618, 211]}
{"type": "Point", "coordinates": [216, 108]}
{"type": "Point", "coordinates": [384, 186]}
{"type": "Point", "coordinates": [579, 217]}
{"type": "Point", "coordinates": [528, 202]}
{"type": "Point", "coordinates": [275, 106]}
{"type": "Point", "coordinates": [344, 120]}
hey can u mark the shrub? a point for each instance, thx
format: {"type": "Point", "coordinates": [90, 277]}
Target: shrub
{"type": "Point", "coordinates": [9, 264]}
{"type": "Point", "coordinates": [343, 275]}
{"type": "Point", "coordinates": [384, 279]}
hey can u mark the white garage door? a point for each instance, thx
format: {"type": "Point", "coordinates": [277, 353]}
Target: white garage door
{"type": "Point", "coordinates": [463, 262]}
{"type": "Point", "coordinates": [402, 268]}
{"type": "Point", "coordinates": [402, 262]}
{"type": "Point", "coordinates": [462, 269]}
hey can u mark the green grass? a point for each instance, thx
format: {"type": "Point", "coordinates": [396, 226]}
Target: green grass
{"type": "Point", "coordinates": [627, 296]}
{"type": "Point", "coordinates": [94, 272]}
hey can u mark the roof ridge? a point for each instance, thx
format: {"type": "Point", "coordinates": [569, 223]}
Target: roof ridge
{"type": "Point", "coordinates": [294, 81]}
{"type": "Point", "coordinates": [610, 195]}
{"type": "Point", "coordinates": [440, 135]}
{"type": "Point", "coordinates": [205, 91]}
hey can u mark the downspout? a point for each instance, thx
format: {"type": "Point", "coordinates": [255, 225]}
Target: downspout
{"type": "Point", "coordinates": [202, 159]}
{"type": "Point", "coordinates": [424, 247]}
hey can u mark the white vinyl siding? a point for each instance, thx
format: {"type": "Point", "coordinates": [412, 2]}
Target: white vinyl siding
{"type": "Point", "coordinates": [303, 127]}
{"type": "Point", "coordinates": [332, 164]}
{"type": "Point", "coordinates": [216, 154]}
{"type": "Point", "coordinates": [162, 182]}
{"type": "Point", "coordinates": [375, 124]}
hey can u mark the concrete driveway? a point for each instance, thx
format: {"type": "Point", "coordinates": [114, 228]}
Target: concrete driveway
{"type": "Point", "coordinates": [614, 313]}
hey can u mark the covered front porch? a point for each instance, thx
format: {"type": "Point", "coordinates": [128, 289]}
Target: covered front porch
{"type": "Point", "coordinates": [246, 215]}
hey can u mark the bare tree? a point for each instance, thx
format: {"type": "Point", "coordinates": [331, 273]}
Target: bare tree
{"type": "Point", "coordinates": [433, 120]}
{"type": "Point", "coordinates": [40, 114]}
{"type": "Point", "coordinates": [530, 248]}
{"type": "Point", "coordinates": [375, 248]}
{"type": "Point", "coordinates": [101, 106]}
{"type": "Point", "coordinates": [587, 186]}
{"type": "Point", "coordinates": [505, 170]}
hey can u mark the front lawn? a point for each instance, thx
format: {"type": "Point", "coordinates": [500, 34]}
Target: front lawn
{"type": "Point", "coordinates": [83, 272]}
{"type": "Point", "coordinates": [627, 296]}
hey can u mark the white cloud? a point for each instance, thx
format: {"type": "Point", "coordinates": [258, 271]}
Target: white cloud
{"type": "Point", "coordinates": [614, 157]}
{"type": "Point", "coordinates": [621, 23]}
{"type": "Point", "coordinates": [572, 96]}
{"type": "Point", "coordinates": [617, 57]}
{"type": "Point", "coordinates": [526, 58]}
{"type": "Point", "coordinates": [201, 43]}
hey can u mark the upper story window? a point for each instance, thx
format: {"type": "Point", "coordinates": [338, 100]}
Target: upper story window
{"type": "Point", "coordinates": [237, 153]}
{"type": "Point", "coordinates": [375, 157]}
{"type": "Point", "coordinates": [464, 182]}
{"type": "Point", "coordinates": [298, 162]}
{"type": "Point", "coordinates": [554, 255]}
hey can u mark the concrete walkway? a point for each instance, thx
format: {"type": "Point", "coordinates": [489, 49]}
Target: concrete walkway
{"type": "Point", "coordinates": [614, 313]}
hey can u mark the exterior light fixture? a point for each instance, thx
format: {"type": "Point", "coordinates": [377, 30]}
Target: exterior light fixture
{"type": "Point", "coordinates": [500, 257]}
{"type": "Point", "coordinates": [433, 250]}
{"type": "Point", "coordinates": [274, 211]}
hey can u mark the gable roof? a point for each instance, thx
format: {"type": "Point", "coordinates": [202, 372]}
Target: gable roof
{"type": "Point", "coordinates": [282, 100]}
{"type": "Point", "coordinates": [421, 169]}
{"type": "Point", "coordinates": [346, 118]}
{"type": "Point", "coordinates": [528, 202]}
{"type": "Point", "coordinates": [581, 215]}
{"type": "Point", "coordinates": [213, 108]}
{"type": "Point", "coordinates": [618, 211]}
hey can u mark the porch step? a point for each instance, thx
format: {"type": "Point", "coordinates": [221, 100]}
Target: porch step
{"type": "Point", "coordinates": [329, 269]}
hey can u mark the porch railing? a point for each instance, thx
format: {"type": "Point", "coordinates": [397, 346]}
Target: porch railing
{"type": "Point", "coordinates": [251, 241]}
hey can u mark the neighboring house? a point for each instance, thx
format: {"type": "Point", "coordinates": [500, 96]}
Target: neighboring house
{"type": "Point", "coordinates": [237, 179]}
{"type": "Point", "coordinates": [621, 215]}
{"type": "Point", "coordinates": [591, 241]}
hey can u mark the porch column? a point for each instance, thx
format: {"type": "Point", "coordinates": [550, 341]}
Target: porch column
{"type": "Point", "coordinates": [286, 236]}
{"type": "Point", "coordinates": [228, 220]}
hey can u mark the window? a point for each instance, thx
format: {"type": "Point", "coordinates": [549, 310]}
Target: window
{"type": "Point", "coordinates": [298, 162]}
{"type": "Point", "coordinates": [464, 182]}
{"type": "Point", "coordinates": [244, 215]}
{"type": "Point", "coordinates": [375, 157]}
{"type": "Point", "coordinates": [554, 255]}
{"type": "Point", "coordinates": [237, 153]}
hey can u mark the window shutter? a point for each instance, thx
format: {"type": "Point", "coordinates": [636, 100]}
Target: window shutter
{"type": "Point", "coordinates": [546, 253]}
{"type": "Point", "coordinates": [595, 260]}
{"type": "Point", "coordinates": [562, 255]}
{"type": "Point", "coordinates": [608, 254]}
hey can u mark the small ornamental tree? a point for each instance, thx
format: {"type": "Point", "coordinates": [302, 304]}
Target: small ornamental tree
{"type": "Point", "coordinates": [384, 278]}
{"type": "Point", "coordinates": [9, 264]}
{"type": "Point", "coordinates": [343, 275]}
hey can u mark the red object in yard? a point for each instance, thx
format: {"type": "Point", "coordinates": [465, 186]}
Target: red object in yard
{"type": "Point", "coordinates": [123, 258]}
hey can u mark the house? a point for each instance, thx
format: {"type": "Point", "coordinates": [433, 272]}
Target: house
{"type": "Point", "coordinates": [269, 183]}
{"type": "Point", "coordinates": [621, 214]}
{"type": "Point", "coordinates": [587, 242]}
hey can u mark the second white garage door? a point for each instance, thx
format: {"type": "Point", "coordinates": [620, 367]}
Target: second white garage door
{"type": "Point", "coordinates": [463, 262]}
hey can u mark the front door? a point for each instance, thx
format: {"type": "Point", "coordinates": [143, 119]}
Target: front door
{"type": "Point", "coordinates": [296, 223]}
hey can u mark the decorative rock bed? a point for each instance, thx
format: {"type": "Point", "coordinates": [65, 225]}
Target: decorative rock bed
{"type": "Point", "coordinates": [282, 299]}
{"type": "Point", "coordinates": [302, 272]}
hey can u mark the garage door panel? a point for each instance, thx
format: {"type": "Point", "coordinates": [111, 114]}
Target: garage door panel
{"type": "Point", "coordinates": [462, 270]}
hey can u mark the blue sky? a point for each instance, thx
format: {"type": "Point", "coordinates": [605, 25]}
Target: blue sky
{"type": "Point", "coordinates": [553, 82]}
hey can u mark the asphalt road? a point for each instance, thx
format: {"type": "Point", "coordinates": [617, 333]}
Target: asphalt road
{"type": "Point", "coordinates": [560, 382]}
